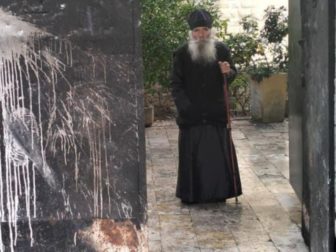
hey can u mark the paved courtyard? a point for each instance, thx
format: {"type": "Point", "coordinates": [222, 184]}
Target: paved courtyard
{"type": "Point", "coordinates": [267, 217]}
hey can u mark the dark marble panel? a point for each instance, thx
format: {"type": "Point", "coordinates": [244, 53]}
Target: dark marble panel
{"type": "Point", "coordinates": [72, 135]}
{"type": "Point", "coordinates": [91, 23]}
{"type": "Point", "coordinates": [318, 27]}
{"type": "Point", "coordinates": [50, 236]}
{"type": "Point", "coordinates": [86, 235]}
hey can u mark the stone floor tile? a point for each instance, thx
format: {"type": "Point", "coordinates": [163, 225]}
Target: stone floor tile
{"type": "Point", "coordinates": [257, 247]}
{"type": "Point", "coordinates": [164, 173]}
{"type": "Point", "coordinates": [268, 170]}
{"type": "Point", "coordinates": [165, 194]}
{"type": "Point", "coordinates": [162, 161]}
{"type": "Point", "coordinates": [242, 122]}
{"type": "Point", "coordinates": [266, 218]}
{"type": "Point", "coordinates": [172, 207]}
{"type": "Point", "coordinates": [227, 248]}
{"type": "Point", "coordinates": [276, 184]}
{"type": "Point", "coordinates": [288, 201]}
{"type": "Point", "coordinates": [154, 246]}
{"type": "Point", "coordinates": [215, 239]}
{"type": "Point", "coordinates": [174, 225]}
{"type": "Point", "coordinates": [167, 165]}
{"type": "Point", "coordinates": [166, 181]}
{"type": "Point", "coordinates": [153, 220]}
{"type": "Point", "coordinates": [256, 159]}
{"type": "Point", "coordinates": [247, 152]}
{"type": "Point", "coordinates": [154, 234]}
{"type": "Point", "coordinates": [238, 135]}
{"type": "Point", "coordinates": [289, 239]}
{"type": "Point", "coordinates": [172, 248]}
{"type": "Point", "coordinates": [158, 142]}
{"type": "Point", "coordinates": [210, 223]}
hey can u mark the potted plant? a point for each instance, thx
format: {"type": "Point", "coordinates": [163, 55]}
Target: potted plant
{"type": "Point", "coordinates": [268, 71]}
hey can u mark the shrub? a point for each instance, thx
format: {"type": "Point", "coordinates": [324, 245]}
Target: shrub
{"type": "Point", "coordinates": [273, 56]}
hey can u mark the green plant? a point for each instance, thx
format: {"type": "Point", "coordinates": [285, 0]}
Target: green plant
{"type": "Point", "coordinates": [243, 46]}
{"type": "Point", "coordinates": [164, 28]}
{"type": "Point", "coordinates": [240, 94]}
{"type": "Point", "coordinates": [276, 24]}
{"type": "Point", "coordinates": [260, 71]}
{"type": "Point", "coordinates": [273, 54]}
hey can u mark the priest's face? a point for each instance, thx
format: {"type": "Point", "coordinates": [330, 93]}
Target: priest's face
{"type": "Point", "coordinates": [201, 33]}
{"type": "Point", "coordinates": [201, 45]}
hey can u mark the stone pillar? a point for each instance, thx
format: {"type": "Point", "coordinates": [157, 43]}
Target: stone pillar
{"type": "Point", "coordinates": [72, 155]}
{"type": "Point", "coordinates": [295, 96]}
{"type": "Point", "coordinates": [318, 200]}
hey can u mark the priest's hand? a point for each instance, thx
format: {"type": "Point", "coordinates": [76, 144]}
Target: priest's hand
{"type": "Point", "coordinates": [224, 67]}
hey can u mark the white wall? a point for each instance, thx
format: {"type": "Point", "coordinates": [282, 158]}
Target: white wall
{"type": "Point", "coordinates": [234, 10]}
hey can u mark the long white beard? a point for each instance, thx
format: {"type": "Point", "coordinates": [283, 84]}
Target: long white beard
{"type": "Point", "coordinates": [203, 51]}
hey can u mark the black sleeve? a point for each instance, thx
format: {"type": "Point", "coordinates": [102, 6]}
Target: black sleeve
{"type": "Point", "coordinates": [181, 100]}
{"type": "Point", "coordinates": [225, 55]}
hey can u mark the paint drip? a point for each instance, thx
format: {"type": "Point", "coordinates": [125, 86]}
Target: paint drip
{"type": "Point", "coordinates": [27, 68]}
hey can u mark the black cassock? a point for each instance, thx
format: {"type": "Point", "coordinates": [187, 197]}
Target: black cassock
{"type": "Point", "coordinates": [205, 172]}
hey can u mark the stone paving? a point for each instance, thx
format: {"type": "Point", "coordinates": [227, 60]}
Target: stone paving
{"type": "Point", "coordinates": [267, 217]}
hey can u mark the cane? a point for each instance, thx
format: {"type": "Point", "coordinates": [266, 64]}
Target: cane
{"type": "Point", "coordinates": [227, 107]}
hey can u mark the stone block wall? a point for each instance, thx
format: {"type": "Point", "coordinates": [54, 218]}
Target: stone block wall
{"type": "Point", "coordinates": [234, 10]}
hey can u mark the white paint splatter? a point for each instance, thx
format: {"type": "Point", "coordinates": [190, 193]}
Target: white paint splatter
{"type": "Point", "coordinates": [16, 43]}
{"type": "Point", "coordinates": [24, 62]}
{"type": "Point", "coordinates": [127, 209]}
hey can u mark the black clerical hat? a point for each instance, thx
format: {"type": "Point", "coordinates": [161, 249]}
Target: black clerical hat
{"type": "Point", "coordinates": [199, 18]}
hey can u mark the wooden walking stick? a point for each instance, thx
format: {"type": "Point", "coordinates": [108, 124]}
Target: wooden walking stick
{"type": "Point", "coordinates": [227, 107]}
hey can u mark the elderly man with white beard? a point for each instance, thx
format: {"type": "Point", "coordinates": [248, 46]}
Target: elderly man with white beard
{"type": "Point", "coordinates": [208, 168]}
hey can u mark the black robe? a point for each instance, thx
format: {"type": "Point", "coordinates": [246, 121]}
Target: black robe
{"type": "Point", "coordinates": [205, 172]}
